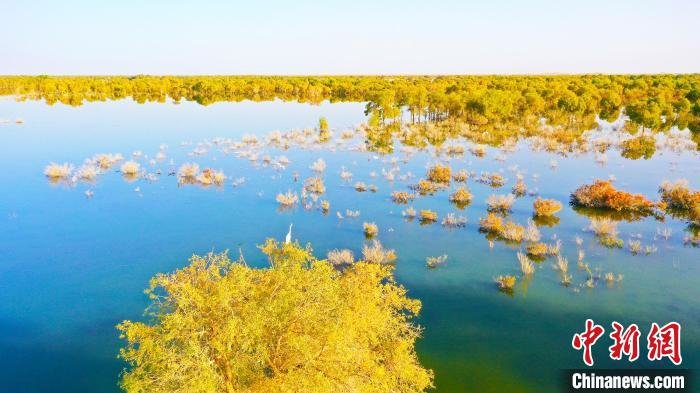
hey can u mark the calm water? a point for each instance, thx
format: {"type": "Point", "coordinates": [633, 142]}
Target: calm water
{"type": "Point", "coordinates": [71, 268]}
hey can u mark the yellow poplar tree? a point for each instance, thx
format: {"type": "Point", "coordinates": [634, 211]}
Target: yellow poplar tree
{"type": "Point", "coordinates": [300, 325]}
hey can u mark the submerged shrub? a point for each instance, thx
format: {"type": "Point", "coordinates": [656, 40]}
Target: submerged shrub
{"type": "Point", "coordinates": [216, 328]}
{"type": "Point", "coordinates": [496, 180]}
{"type": "Point", "coordinates": [460, 176]}
{"type": "Point", "coordinates": [532, 233]}
{"type": "Point", "coordinates": [454, 150]}
{"type": "Point", "coordinates": [345, 175]}
{"type": "Point", "coordinates": [341, 257]}
{"type": "Point", "coordinates": [505, 283]}
{"type": "Point", "coordinates": [425, 187]}
{"type": "Point", "coordinates": [401, 197]}
{"type": "Point", "coordinates": [323, 130]}
{"type": "Point", "coordinates": [440, 174]}
{"type": "Point", "coordinates": [205, 177]}
{"type": "Point", "coordinates": [680, 200]}
{"type": "Point", "coordinates": [409, 213]}
{"type": "Point", "coordinates": [478, 150]}
{"type": "Point", "coordinates": [323, 124]}
{"type": "Point", "coordinates": [610, 278]}
{"type": "Point", "coordinates": [318, 165]}
{"type": "Point", "coordinates": [635, 246]}
{"type": "Point", "coordinates": [106, 161]}
{"type": "Point", "coordinates": [376, 253]}
{"type": "Point", "coordinates": [526, 265]}
{"type": "Point", "coordinates": [314, 185]}
{"type": "Point", "coordinates": [87, 172]}
{"type": "Point", "coordinates": [602, 195]}
{"type": "Point", "coordinates": [537, 250]}
{"type": "Point", "coordinates": [562, 264]}
{"type": "Point", "coordinates": [347, 134]}
{"type": "Point", "coordinates": [512, 231]}
{"type": "Point", "coordinates": [130, 168]}
{"type": "Point", "coordinates": [360, 187]}
{"type": "Point", "coordinates": [677, 195]}
{"type": "Point", "coordinates": [371, 229]}
{"type": "Point", "coordinates": [606, 231]}
{"type": "Point", "coordinates": [603, 227]}
{"type": "Point", "coordinates": [494, 225]}
{"type": "Point", "coordinates": [188, 171]}
{"type": "Point", "coordinates": [209, 176]}
{"type": "Point", "coordinates": [491, 224]}
{"type": "Point", "coordinates": [288, 199]}
{"type": "Point", "coordinates": [545, 207]}
{"type": "Point", "coordinates": [554, 248]}
{"type": "Point", "coordinates": [218, 177]}
{"type": "Point", "coordinates": [452, 220]}
{"type": "Point", "coordinates": [428, 216]}
{"type": "Point", "coordinates": [500, 203]}
{"type": "Point", "coordinates": [58, 171]}
{"type": "Point", "coordinates": [462, 197]}
{"type": "Point", "coordinates": [519, 189]}
{"type": "Point", "coordinates": [433, 262]}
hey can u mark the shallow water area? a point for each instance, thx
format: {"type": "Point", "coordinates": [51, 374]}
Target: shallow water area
{"type": "Point", "coordinates": [72, 266]}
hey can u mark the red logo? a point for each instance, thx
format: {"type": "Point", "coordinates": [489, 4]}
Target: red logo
{"type": "Point", "coordinates": [626, 341]}
{"type": "Point", "coordinates": [586, 339]}
{"type": "Point", "coordinates": [662, 342]}
{"type": "Point", "coordinates": [665, 342]}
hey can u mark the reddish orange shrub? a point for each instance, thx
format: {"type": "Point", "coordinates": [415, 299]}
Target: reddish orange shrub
{"type": "Point", "coordinates": [601, 194]}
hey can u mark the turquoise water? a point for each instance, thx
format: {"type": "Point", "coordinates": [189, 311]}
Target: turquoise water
{"type": "Point", "coordinates": [72, 267]}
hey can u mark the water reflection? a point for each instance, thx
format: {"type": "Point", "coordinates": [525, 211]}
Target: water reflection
{"type": "Point", "coordinates": [461, 301]}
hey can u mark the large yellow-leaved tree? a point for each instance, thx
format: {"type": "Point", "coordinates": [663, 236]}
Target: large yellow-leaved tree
{"type": "Point", "coordinates": [300, 325]}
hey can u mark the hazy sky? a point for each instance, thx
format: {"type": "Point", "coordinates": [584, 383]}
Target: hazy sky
{"type": "Point", "coordinates": [348, 37]}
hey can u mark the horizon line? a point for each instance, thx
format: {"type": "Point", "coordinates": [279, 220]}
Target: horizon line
{"type": "Point", "coordinates": [355, 75]}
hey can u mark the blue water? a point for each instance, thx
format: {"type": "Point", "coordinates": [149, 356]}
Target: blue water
{"type": "Point", "coordinates": [71, 268]}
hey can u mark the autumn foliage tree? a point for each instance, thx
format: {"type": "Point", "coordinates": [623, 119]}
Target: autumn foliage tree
{"type": "Point", "coordinates": [300, 325]}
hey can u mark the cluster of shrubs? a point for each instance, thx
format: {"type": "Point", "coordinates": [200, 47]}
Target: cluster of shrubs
{"type": "Point", "coordinates": [507, 230]}
{"type": "Point", "coordinates": [189, 174]}
{"type": "Point", "coordinates": [680, 200]}
{"type": "Point", "coordinates": [677, 199]}
{"type": "Point", "coordinates": [603, 195]}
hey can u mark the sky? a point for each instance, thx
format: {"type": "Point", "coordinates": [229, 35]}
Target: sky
{"type": "Point", "coordinates": [78, 37]}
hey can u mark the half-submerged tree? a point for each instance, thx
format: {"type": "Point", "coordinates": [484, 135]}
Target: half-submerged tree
{"type": "Point", "coordinates": [300, 325]}
{"type": "Point", "coordinates": [324, 132]}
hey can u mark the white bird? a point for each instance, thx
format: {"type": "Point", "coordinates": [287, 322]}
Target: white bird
{"type": "Point", "coordinates": [288, 239]}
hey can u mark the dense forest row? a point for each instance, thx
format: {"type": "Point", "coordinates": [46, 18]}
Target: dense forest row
{"type": "Point", "coordinates": [654, 102]}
